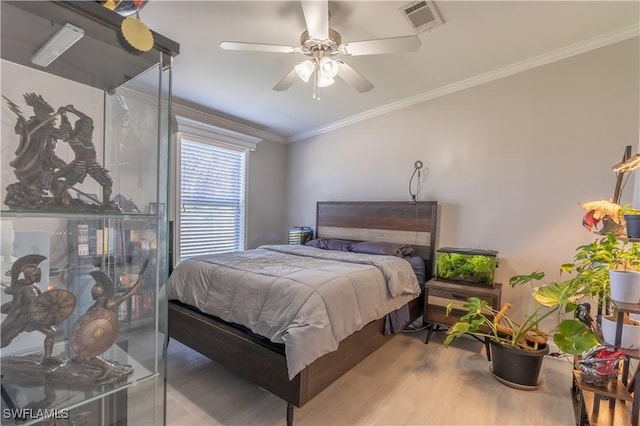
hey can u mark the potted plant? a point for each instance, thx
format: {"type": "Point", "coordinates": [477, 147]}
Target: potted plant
{"type": "Point", "coordinates": [632, 221]}
{"type": "Point", "coordinates": [614, 264]}
{"type": "Point", "coordinates": [611, 265]}
{"type": "Point", "coordinates": [518, 347]}
{"type": "Point", "coordinates": [603, 216]}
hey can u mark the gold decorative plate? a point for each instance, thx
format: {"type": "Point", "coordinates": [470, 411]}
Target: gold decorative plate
{"type": "Point", "coordinates": [137, 34]}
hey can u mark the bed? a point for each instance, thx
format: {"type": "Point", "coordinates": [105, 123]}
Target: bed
{"type": "Point", "coordinates": [264, 362]}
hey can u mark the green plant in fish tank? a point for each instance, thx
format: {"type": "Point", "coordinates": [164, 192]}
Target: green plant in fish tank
{"type": "Point", "coordinates": [477, 266]}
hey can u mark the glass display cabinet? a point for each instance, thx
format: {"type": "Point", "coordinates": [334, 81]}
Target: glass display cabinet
{"type": "Point", "coordinates": [83, 187]}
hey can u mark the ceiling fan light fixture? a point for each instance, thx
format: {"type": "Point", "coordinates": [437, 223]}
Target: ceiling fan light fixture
{"type": "Point", "coordinates": [328, 68]}
{"type": "Point", "coordinates": [324, 82]}
{"type": "Point", "coordinates": [305, 70]}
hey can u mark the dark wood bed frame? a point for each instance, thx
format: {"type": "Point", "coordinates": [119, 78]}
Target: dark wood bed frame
{"type": "Point", "coordinates": [266, 366]}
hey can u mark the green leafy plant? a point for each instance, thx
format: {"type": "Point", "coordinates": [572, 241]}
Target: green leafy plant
{"type": "Point", "coordinates": [627, 209]}
{"type": "Point", "coordinates": [555, 298]}
{"type": "Point", "coordinates": [592, 263]}
{"type": "Point", "coordinates": [630, 210]}
{"type": "Point", "coordinates": [465, 267]}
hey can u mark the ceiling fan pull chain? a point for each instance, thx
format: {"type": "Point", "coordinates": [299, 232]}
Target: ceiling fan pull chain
{"type": "Point", "coordinates": [316, 95]}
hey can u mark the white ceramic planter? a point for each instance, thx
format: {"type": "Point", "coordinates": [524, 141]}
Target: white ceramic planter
{"type": "Point", "coordinates": [625, 286]}
{"type": "Point", "coordinates": [630, 334]}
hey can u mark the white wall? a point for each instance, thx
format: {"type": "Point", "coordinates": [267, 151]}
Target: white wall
{"type": "Point", "coordinates": [266, 218]}
{"type": "Point", "coordinates": [508, 161]}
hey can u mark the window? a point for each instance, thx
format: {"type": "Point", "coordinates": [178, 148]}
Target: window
{"type": "Point", "coordinates": [211, 182]}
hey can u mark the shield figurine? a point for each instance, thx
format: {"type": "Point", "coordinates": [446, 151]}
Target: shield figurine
{"type": "Point", "coordinates": [94, 332]}
{"type": "Point", "coordinates": [52, 307]}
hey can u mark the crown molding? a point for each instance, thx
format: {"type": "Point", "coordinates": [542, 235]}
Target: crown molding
{"type": "Point", "coordinates": [224, 123]}
{"type": "Point", "coordinates": [221, 125]}
{"type": "Point", "coordinates": [198, 128]}
{"type": "Point", "coordinates": [553, 56]}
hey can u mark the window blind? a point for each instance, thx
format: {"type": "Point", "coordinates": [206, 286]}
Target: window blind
{"type": "Point", "coordinates": [211, 198]}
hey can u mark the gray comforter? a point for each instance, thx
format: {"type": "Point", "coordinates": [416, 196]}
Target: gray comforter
{"type": "Point", "coordinates": [307, 298]}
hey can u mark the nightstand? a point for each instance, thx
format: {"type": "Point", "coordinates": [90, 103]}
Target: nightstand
{"type": "Point", "coordinates": [438, 294]}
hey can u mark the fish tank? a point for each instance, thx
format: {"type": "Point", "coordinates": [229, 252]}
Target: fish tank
{"type": "Point", "coordinates": [466, 266]}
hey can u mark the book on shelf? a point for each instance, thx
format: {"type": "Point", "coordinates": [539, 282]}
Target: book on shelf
{"type": "Point", "coordinates": [92, 239]}
{"type": "Point", "coordinates": [83, 240]}
{"type": "Point", "coordinates": [99, 242]}
{"type": "Point", "coordinates": [117, 242]}
{"type": "Point", "coordinates": [142, 304]}
{"type": "Point", "coordinates": [134, 307]}
{"type": "Point", "coordinates": [122, 312]}
{"type": "Point", "coordinates": [105, 240]}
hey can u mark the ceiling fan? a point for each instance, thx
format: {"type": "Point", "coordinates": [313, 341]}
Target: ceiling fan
{"type": "Point", "coordinates": [322, 47]}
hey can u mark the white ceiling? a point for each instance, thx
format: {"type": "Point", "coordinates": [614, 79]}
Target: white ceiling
{"type": "Point", "coordinates": [479, 41]}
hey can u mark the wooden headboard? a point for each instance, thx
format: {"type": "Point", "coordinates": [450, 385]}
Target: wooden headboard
{"type": "Point", "coordinates": [391, 221]}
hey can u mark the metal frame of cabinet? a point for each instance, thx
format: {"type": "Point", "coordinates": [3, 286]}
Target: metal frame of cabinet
{"type": "Point", "coordinates": [116, 77]}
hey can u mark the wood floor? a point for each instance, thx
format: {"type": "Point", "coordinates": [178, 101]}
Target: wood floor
{"type": "Point", "coordinates": [403, 383]}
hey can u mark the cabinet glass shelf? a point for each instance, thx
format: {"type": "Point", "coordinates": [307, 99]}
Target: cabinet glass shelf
{"type": "Point", "coordinates": [75, 215]}
{"type": "Point", "coordinates": [29, 400]}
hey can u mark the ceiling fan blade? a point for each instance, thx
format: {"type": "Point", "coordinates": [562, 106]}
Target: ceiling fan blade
{"type": "Point", "coordinates": [258, 47]}
{"type": "Point", "coordinates": [353, 78]}
{"type": "Point", "coordinates": [287, 81]}
{"type": "Point", "coordinates": [382, 45]}
{"type": "Point", "coordinates": [316, 15]}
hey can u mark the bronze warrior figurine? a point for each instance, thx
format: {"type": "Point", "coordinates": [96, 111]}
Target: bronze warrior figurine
{"type": "Point", "coordinates": [36, 161]}
{"type": "Point", "coordinates": [97, 330]}
{"type": "Point", "coordinates": [80, 139]}
{"type": "Point", "coordinates": [33, 310]}
{"type": "Point", "coordinates": [44, 180]}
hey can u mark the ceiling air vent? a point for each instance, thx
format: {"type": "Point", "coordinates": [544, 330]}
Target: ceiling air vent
{"type": "Point", "coordinates": [422, 15]}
